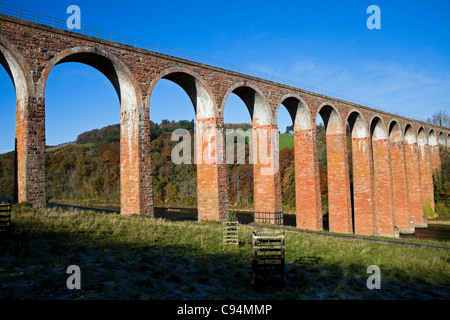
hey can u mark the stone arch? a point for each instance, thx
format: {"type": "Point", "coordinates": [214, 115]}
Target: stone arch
{"type": "Point", "coordinates": [255, 101]}
{"type": "Point", "coordinates": [105, 62]}
{"type": "Point", "coordinates": [395, 132]}
{"type": "Point", "coordinates": [195, 87]}
{"type": "Point", "coordinates": [298, 110]}
{"type": "Point", "coordinates": [422, 138]}
{"type": "Point", "coordinates": [331, 118]}
{"type": "Point", "coordinates": [20, 74]}
{"type": "Point", "coordinates": [378, 129]}
{"type": "Point", "coordinates": [441, 139]}
{"type": "Point", "coordinates": [134, 149]}
{"type": "Point", "coordinates": [212, 202]}
{"type": "Point", "coordinates": [15, 66]}
{"type": "Point", "coordinates": [358, 125]}
{"type": "Point", "coordinates": [432, 138]}
{"type": "Point", "coordinates": [264, 151]}
{"type": "Point", "coordinates": [410, 136]}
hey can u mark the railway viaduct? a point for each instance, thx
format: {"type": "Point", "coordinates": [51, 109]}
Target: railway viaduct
{"type": "Point", "coordinates": [393, 157]}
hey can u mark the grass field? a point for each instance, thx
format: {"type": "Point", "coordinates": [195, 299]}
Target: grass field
{"type": "Point", "coordinates": [134, 257]}
{"type": "Point", "coordinates": [286, 140]}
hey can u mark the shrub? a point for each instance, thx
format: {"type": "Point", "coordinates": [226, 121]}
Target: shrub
{"type": "Point", "coordinates": [428, 211]}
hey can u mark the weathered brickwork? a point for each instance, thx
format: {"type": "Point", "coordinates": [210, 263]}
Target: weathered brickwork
{"type": "Point", "coordinates": [391, 181]}
{"type": "Point", "coordinates": [307, 186]}
{"type": "Point", "coordinates": [400, 191]}
{"type": "Point", "coordinates": [364, 215]}
{"type": "Point", "coordinates": [414, 186]}
{"type": "Point", "coordinates": [383, 189]}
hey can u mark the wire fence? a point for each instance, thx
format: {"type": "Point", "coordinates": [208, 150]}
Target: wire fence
{"type": "Point", "coordinates": [156, 48]}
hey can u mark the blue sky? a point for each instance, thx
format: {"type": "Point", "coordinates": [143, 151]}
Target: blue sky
{"type": "Point", "coordinates": [402, 68]}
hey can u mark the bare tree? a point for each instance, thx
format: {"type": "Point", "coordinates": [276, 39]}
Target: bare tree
{"type": "Point", "coordinates": [440, 118]}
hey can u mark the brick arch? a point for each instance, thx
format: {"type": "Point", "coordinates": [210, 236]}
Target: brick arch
{"type": "Point", "coordinates": [107, 63]}
{"type": "Point", "coordinates": [16, 68]}
{"type": "Point", "coordinates": [358, 124]}
{"type": "Point", "coordinates": [378, 129]}
{"type": "Point", "coordinates": [298, 110]}
{"type": "Point", "coordinates": [255, 101]}
{"type": "Point", "coordinates": [432, 138]}
{"type": "Point", "coordinates": [133, 145]}
{"type": "Point", "coordinates": [422, 137]}
{"type": "Point", "coordinates": [20, 75]}
{"type": "Point", "coordinates": [193, 84]}
{"type": "Point", "coordinates": [441, 139]}
{"type": "Point", "coordinates": [331, 118]}
{"type": "Point", "coordinates": [409, 136]}
{"type": "Point", "coordinates": [395, 132]}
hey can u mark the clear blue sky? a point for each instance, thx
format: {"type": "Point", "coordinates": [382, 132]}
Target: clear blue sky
{"type": "Point", "coordinates": [403, 68]}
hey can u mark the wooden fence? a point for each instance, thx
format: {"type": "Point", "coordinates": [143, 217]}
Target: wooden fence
{"type": "Point", "coordinates": [273, 217]}
{"type": "Point", "coordinates": [230, 232]}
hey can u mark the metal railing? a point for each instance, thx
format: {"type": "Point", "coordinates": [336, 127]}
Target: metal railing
{"type": "Point", "coordinates": [272, 217]}
{"type": "Point", "coordinates": [156, 48]}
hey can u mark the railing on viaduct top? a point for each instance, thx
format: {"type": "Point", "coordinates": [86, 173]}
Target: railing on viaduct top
{"type": "Point", "coordinates": [104, 35]}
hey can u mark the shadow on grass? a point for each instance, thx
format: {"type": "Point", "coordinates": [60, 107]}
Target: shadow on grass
{"type": "Point", "coordinates": [33, 266]}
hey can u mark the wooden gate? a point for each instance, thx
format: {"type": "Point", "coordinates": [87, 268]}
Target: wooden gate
{"type": "Point", "coordinates": [268, 254]}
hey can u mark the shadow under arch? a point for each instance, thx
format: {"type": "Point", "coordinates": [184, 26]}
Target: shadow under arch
{"type": "Point", "coordinates": [108, 64]}
{"type": "Point", "coordinates": [195, 87]}
{"type": "Point", "coordinates": [298, 110]}
{"type": "Point", "coordinates": [409, 136]}
{"type": "Point", "coordinates": [331, 118]}
{"type": "Point", "coordinates": [254, 100]}
{"type": "Point", "coordinates": [441, 139]}
{"type": "Point", "coordinates": [395, 132]}
{"type": "Point", "coordinates": [422, 137]}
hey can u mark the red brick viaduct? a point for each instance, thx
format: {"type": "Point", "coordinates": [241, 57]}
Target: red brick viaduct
{"type": "Point", "coordinates": [393, 157]}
